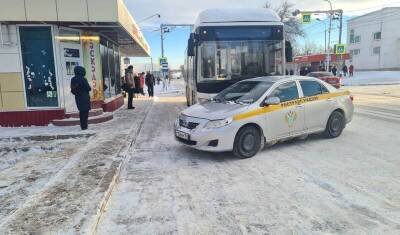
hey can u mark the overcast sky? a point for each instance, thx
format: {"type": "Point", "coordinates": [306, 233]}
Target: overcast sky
{"type": "Point", "coordinates": [186, 11]}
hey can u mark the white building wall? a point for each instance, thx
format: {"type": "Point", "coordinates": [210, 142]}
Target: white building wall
{"type": "Point", "coordinates": [387, 22]}
{"type": "Point", "coordinates": [9, 53]}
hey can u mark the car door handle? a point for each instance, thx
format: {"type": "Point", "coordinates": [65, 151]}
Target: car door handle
{"type": "Point", "coordinates": [330, 100]}
{"type": "Point", "coordinates": [300, 106]}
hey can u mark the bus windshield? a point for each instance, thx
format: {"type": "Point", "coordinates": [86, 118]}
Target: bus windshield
{"type": "Point", "coordinates": [231, 60]}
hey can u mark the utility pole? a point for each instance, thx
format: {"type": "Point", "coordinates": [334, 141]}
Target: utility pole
{"type": "Point", "coordinates": [328, 58]}
{"type": "Point", "coordinates": [162, 39]}
{"type": "Point", "coordinates": [340, 26]}
{"type": "Point", "coordinates": [331, 12]}
{"type": "Point", "coordinates": [164, 29]}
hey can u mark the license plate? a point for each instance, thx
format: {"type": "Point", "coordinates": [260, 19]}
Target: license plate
{"type": "Point", "coordinates": [182, 135]}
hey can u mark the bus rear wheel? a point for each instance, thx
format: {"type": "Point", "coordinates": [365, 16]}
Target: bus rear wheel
{"type": "Point", "coordinates": [247, 142]}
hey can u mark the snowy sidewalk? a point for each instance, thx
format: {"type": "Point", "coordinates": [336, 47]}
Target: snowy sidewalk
{"type": "Point", "coordinates": [68, 190]}
{"type": "Point", "coordinates": [372, 78]}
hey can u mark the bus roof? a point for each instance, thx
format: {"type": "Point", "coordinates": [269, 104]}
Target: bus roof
{"type": "Point", "coordinates": [251, 16]}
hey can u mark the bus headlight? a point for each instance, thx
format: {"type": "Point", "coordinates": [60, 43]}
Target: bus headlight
{"type": "Point", "coordinates": [218, 123]}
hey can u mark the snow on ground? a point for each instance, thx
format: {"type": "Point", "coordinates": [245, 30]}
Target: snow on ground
{"type": "Point", "coordinates": [52, 179]}
{"type": "Point", "coordinates": [372, 78]}
{"type": "Point", "coordinates": [347, 185]}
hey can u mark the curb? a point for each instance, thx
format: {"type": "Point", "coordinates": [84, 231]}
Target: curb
{"type": "Point", "coordinates": [122, 154]}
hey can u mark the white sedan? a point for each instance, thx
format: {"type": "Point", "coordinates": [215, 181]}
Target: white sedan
{"type": "Point", "coordinates": [250, 113]}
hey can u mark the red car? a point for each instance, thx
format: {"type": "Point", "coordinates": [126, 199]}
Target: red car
{"type": "Point", "coordinates": [327, 77]}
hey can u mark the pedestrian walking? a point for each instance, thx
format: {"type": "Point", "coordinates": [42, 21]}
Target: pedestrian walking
{"type": "Point", "coordinates": [136, 79]}
{"type": "Point", "coordinates": [158, 80]}
{"type": "Point", "coordinates": [334, 70]}
{"type": "Point", "coordinates": [80, 88]}
{"type": "Point", "coordinates": [142, 83]}
{"type": "Point", "coordinates": [150, 83]}
{"type": "Point", "coordinates": [351, 70]}
{"type": "Point", "coordinates": [130, 86]}
{"type": "Point", "coordinates": [345, 70]}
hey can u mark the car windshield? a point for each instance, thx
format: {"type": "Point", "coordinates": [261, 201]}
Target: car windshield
{"type": "Point", "coordinates": [320, 74]}
{"type": "Point", "coordinates": [246, 92]}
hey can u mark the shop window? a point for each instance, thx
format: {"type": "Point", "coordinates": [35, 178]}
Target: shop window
{"type": "Point", "coordinates": [38, 64]}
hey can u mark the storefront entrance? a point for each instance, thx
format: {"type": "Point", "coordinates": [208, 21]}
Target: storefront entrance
{"type": "Point", "coordinates": [70, 56]}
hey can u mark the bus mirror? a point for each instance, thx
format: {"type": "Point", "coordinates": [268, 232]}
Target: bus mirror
{"type": "Point", "coordinates": [288, 51]}
{"type": "Point", "coordinates": [191, 43]}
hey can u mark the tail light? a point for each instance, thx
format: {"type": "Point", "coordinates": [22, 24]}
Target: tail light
{"type": "Point", "coordinates": [352, 98]}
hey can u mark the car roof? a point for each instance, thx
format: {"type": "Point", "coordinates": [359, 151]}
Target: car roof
{"type": "Point", "coordinates": [275, 79]}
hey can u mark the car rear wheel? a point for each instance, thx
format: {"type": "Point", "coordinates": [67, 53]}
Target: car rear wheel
{"type": "Point", "coordinates": [247, 142]}
{"type": "Point", "coordinates": [335, 125]}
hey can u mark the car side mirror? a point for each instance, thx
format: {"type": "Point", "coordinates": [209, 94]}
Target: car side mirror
{"type": "Point", "coordinates": [191, 45]}
{"type": "Point", "coordinates": [272, 101]}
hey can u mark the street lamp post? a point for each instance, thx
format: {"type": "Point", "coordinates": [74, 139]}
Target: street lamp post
{"type": "Point", "coordinates": [328, 59]}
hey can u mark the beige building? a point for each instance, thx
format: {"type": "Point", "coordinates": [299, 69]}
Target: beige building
{"type": "Point", "coordinates": [41, 41]}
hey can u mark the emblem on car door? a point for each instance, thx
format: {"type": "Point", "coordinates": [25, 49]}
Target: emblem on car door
{"type": "Point", "coordinates": [290, 118]}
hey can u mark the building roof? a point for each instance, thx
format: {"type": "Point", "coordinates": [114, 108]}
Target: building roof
{"type": "Point", "coordinates": [373, 13]}
{"type": "Point", "coordinates": [251, 15]}
{"type": "Point", "coordinates": [108, 17]}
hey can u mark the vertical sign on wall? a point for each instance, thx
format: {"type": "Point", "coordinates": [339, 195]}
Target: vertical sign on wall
{"type": "Point", "coordinates": [92, 62]}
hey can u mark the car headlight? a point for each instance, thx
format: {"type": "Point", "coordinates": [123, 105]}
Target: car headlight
{"type": "Point", "coordinates": [218, 123]}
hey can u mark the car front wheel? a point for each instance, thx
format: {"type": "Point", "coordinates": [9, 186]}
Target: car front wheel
{"type": "Point", "coordinates": [247, 142]}
{"type": "Point", "coordinates": [335, 125]}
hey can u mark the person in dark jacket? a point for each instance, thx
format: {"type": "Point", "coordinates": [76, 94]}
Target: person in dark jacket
{"type": "Point", "coordinates": [334, 70]}
{"type": "Point", "coordinates": [149, 80]}
{"type": "Point", "coordinates": [345, 70]}
{"type": "Point", "coordinates": [81, 88]}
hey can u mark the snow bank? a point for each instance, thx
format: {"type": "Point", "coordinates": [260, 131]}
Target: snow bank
{"type": "Point", "coordinates": [372, 78]}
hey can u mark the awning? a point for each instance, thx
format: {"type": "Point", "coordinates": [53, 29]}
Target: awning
{"type": "Point", "coordinates": [108, 17]}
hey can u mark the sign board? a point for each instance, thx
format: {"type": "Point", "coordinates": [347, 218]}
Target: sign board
{"type": "Point", "coordinates": [306, 18]}
{"type": "Point", "coordinates": [92, 62]}
{"type": "Point", "coordinates": [340, 49]}
{"type": "Point", "coordinates": [163, 64]}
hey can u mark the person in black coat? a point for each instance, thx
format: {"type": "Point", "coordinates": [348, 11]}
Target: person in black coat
{"type": "Point", "coordinates": [81, 88]}
{"type": "Point", "coordinates": [149, 80]}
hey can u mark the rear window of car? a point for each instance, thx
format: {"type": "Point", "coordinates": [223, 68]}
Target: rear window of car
{"type": "Point", "coordinates": [312, 88]}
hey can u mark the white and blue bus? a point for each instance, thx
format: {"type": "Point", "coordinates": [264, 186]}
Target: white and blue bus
{"type": "Point", "coordinates": [229, 45]}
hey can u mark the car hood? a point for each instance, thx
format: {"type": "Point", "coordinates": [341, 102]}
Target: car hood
{"type": "Point", "coordinates": [214, 111]}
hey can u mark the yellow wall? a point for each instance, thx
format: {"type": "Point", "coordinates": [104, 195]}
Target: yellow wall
{"type": "Point", "coordinates": [11, 92]}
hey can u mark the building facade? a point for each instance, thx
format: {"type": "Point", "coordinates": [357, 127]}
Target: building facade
{"type": "Point", "coordinates": [42, 41]}
{"type": "Point", "coordinates": [374, 40]}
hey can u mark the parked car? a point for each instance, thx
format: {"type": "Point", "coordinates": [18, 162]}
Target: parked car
{"type": "Point", "coordinates": [327, 77]}
{"type": "Point", "coordinates": [247, 115]}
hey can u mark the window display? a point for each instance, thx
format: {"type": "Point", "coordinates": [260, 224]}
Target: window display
{"type": "Point", "coordinates": [38, 64]}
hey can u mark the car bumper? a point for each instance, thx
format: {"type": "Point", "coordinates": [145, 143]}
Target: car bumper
{"type": "Point", "coordinates": [211, 140]}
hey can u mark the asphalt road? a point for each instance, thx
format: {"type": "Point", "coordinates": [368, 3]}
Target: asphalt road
{"type": "Point", "coordinates": [348, 185]}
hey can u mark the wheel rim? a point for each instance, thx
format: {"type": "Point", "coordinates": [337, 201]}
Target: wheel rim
{"type": "Point", "coordinates": [248, 143]}
{"type": "Point", "coordinates": [336, 125]}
